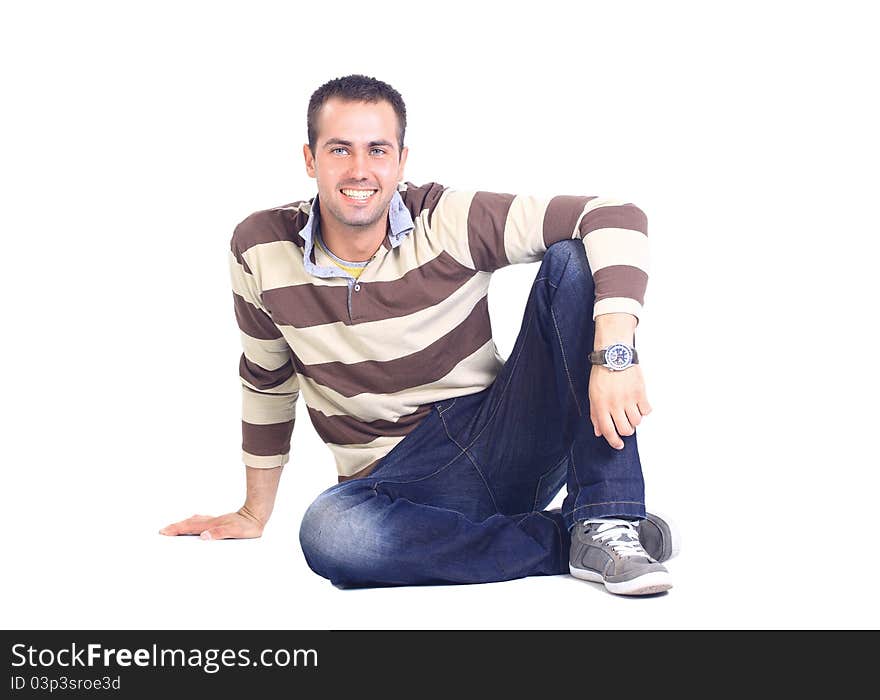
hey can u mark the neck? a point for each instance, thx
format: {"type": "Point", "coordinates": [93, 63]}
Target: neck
{"type": "Point", "coordinates": [353, 243]}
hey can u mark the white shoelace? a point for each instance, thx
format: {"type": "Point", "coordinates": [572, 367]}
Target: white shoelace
{"type": "Point", "coordinates": [610, 530]}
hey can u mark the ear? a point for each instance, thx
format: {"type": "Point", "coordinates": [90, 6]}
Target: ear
{"type": "Point", "coordinates": [310, 160]}
{"type": "Point", "coordinates": [403, 154]}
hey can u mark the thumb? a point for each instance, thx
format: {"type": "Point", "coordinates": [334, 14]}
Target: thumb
{"type": "Point", "coordinates": [215, 533]}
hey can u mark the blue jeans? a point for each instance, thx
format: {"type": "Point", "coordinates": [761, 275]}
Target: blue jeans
{"type": "Point", "coordinates": [462, 498]}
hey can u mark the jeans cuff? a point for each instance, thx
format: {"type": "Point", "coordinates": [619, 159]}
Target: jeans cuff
{"type": "Point", "coordinates": [608, 509]}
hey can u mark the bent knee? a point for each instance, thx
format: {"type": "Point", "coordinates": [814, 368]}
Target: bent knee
{"type": "Point", "coordinates": [336, 530]}
{"type": "Point", "coordinates": [568, 258]}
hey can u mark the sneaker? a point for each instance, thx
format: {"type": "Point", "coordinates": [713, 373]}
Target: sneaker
{"type": "Point", "coordinates": [659, 537]}
{"type": "Point", "coordinates": [608, 551]}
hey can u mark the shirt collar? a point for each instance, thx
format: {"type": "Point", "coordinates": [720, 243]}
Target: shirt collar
{"type": "Point", "coordinates": [399, 219]}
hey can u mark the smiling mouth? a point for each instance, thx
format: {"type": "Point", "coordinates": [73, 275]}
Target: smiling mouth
{"type": "Point", "coordinates": [358, 195]}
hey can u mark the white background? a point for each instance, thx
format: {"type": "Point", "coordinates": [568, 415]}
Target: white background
{"type": "Point", "coordinates": [135, 137]}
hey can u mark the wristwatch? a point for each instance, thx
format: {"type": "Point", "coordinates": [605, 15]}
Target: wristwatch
{"type": "Point", "coordinates": [615, 357]}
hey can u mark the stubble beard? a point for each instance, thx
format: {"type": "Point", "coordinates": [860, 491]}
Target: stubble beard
{"type": "Point", "coordinates": [358, 222]}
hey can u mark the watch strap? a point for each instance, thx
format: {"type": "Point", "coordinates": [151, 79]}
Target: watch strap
{"type": "Point", "coordinates": [597, 357]}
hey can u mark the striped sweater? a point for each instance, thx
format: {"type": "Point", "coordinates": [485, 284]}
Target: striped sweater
{"type": "Point", "coordinates": [371, 355]}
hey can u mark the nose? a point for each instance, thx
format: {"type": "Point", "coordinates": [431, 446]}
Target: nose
{"type": "Point", "coordinates": [358, 166]}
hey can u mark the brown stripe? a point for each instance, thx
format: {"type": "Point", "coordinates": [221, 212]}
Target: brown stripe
{"type": "Point", "coordinates": [266, 440]}
{"type": "Point", "coordinates": [621, 281]}
{"type": "Point", "coordinates": [421, 367]}
{"type": "Point", "coordinates": [306, 305]}
{"type": "Point", "coordinates": [561, 217]}
{"type": "Point", "coordinates": [268, 226]}
{"type": "Point", "coordinates": [487, 216]}
{"type": "Point", "coordinates": [366, 471]}
{"type": "Point", "coordinates": [263, 379]}
{"type": "Point", "coordinates": [254, 321]}
{"type": "Point", "coordinates": [618, 216]}
{"type": "Point", "coordinates": [418, 198]}
{"type": "Point", "coordinates": [345, 430]}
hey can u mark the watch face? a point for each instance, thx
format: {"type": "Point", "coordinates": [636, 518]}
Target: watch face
{"type": "Point", "coordinates": [618, 356]}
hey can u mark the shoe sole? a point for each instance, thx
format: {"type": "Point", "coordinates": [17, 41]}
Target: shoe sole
{"type": "Point", "coordinates": [654, 582]}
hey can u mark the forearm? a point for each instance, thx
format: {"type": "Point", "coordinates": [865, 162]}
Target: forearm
{"type": "Point", "coordinates": [262, 486]}
{"type": "Point", "coordinates": [614, 328]}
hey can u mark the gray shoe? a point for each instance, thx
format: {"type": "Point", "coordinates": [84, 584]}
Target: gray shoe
{"type": "Point", "coordinates": [608, 551]}
{"type": "Point", "coordinates": [659, 537]}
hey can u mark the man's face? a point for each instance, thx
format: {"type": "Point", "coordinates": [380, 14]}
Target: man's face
{"type": "Point", "coordinates": [356, 149]}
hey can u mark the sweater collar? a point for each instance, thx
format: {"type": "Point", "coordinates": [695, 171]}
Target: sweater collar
{"type": "Point", "coordinates": [400, 225]}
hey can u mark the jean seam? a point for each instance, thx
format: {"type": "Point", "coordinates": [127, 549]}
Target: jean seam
{"type": "Point", "coordinates": [565, 362]}
{"type": "Point", "coordinates": [442, 410]}
{"type": "Point", "coordinates": [541, 279]}
{"type": "Point", "coordinates": [558, 532]}
{"type": "Point", "coordinates": [573, 467]}
{"type": "Point", "coordinates": [538, 485]}
{"type": "Point", "coordinates": [473, 461]}
{"type": "Point", "coordinates": [427, 476]}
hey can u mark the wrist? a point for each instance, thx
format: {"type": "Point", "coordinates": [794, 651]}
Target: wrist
{"type": "Point", "coordinates": [614, 328]}
{"type": "Point", "coordinates": [257, 512]}
{"type": "Point", "coordinates": [262, 486]}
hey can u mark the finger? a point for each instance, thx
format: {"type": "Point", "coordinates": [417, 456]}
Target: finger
{"type": "Point", "coordinates": [633, 415]}
{"type": "Point", "coordinates": [607, 426]}
{"type": "Point", "coordinates": [621, 422]}
{"type": "Point", "coordinates": [220, 532]}
{"type": "Point", "coordinates": [595, 421]}
{"type": "Point", "coordinates": [190, 526]}
{"type": "Point", "coordinates": [644, 406]}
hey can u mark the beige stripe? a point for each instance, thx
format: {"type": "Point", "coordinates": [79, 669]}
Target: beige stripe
{"type": "Point", "coordinates": [474, 373]}
{"type": "Point", "coordinates": [244, 284]}
{"type": "Point", "coordinates": [266, 409]}
{"type": "Point", "coordinates": [280, 264]}
{"type": "Point", "coordinates": [338, 342]}
{"type": "Point", "coordinates": [524, 229]}
{"type": "Point", "coordinates": [391, 266]}
{"type": "Point", "coordinates": [352, 458]}
{"type": "Point", "coordinates": [612, 305]}
{"type": "Point", "coordinates": [264, 462]}
{"type": "Point", "coordinates": [449, 223]}
{"type": "Point", "coordinates": [269, 354]}
{"type": "Point", "coordinates": [617, 246]}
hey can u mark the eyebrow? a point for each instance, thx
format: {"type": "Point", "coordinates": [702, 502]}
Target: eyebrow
{"type": "Point", "coordinates": [343, 142]}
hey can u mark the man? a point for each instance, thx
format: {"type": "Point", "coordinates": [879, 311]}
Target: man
{"type": "Point", "coordinates": [371, 300]}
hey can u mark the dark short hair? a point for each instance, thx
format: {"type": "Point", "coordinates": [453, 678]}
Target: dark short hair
{"type": "Point", "coordinates": [355, 88]}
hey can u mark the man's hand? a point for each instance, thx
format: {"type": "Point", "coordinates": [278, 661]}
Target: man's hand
{"type": "Point", "coordinates": [242, 524]}
{"type": "Point", "coordinates": [247, 521]}
{"type": "Point", "coordinates": [617, 402]}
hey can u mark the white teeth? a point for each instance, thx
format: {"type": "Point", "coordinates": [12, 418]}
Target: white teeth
{"type": "Point", "coordinates": [359, 194]}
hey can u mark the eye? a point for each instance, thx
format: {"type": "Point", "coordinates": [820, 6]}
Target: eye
{"type": "Point", "coordinates": [338, 148]}
{"type": "Point", "coordinates": [379, 149]}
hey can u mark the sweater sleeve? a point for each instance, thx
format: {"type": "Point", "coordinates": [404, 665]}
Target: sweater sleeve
{"type": "Point", "coordinates": [488, 230]}
{"type": "Point", "coordinates": [269, 384]}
